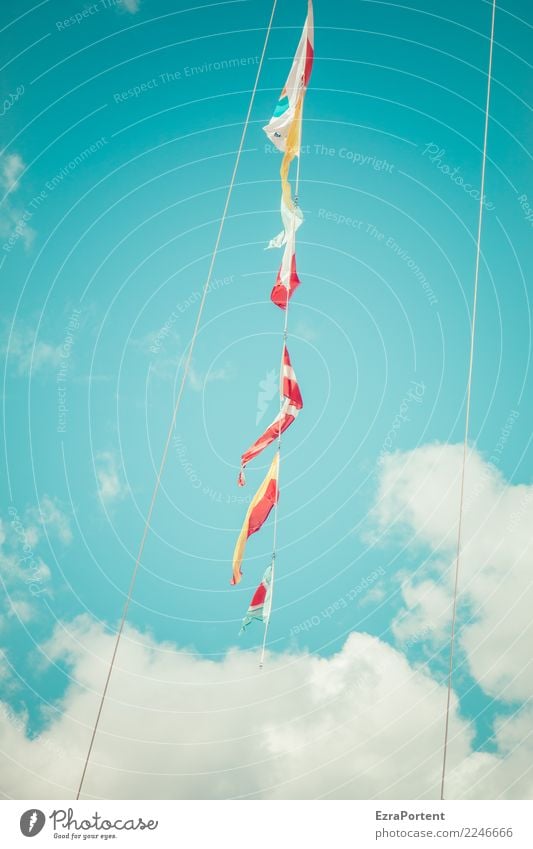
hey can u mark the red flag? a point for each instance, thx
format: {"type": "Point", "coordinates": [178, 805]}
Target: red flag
{"type": "Point", "coordinates": [258, 512]}
{"type": "Point", "coordinates": [286, 283]}
{"type": "Point", "coordinates": [261, 603]}
{"type": "Point", "coordinates": [292, 405]}
{"type": "Point", "coordinates": [290, 388]}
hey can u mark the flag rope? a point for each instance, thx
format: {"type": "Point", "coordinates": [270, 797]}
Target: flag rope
{"type": "Point", "coordinates": [176, 407]}
{"type": "Point", "coordinates": [467, 413]}
{"type": "Point", "coordinates": [283, 343]}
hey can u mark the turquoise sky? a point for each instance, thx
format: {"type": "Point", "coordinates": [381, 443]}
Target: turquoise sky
{"type": "Point", "coordinates": [119, 133]}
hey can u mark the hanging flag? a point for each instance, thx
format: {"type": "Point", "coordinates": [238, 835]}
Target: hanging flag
{"type": "Point", "coordinates": [292, 219]}
{"type": "Point", "coordinates": [258, 512]}
{"type": "Point", "coordinates": [261, 602]}
{"type": "Point", "coordinates": [285, 127]}
{"type": "Point", "coordinates": [292, 404]}
{"type": "Point", "coordinates": [291, 96]}
{"type": "Point", "coordinates": [287, 280]}
{"type": "Point", "coordinates": [292, 149]}
{"type": "Point", "coordinates": [289, 386]}
{"type": "Point", "coordinates": [280, 424]}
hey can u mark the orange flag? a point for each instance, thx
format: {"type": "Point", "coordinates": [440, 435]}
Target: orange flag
{"type": "Point", "coordinates": [258, 512]}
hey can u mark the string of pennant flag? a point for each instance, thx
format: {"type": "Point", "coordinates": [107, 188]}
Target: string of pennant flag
{"type": "Point", "coordinates": [285, 131]}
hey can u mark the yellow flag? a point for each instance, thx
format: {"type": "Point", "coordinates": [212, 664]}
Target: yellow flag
{"type": "Point", "coordinates": [256, 515]}
{"type": "Point", "coordinates": [292, 149]}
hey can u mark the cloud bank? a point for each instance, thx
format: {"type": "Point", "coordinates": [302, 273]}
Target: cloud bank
{"type": "Point", "coordinates": [418, 504]}
{"type": "Point", "coordinates": [360, 724]}
{"type": "Point", "coordinates": [363, 723]}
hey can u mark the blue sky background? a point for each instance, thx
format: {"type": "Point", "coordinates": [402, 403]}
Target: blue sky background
{"type": "Point", "coordinates": [125, 238]}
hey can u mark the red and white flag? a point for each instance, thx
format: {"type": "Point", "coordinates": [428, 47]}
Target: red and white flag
{"type": "Point", "coordinates": [261, 603]}
{"type": "Point", "coordinates": [291, 406]}
{"type": "Point", "coordinates": [294, 89]}
{"type": "Point", "coordinates": [287, 280]}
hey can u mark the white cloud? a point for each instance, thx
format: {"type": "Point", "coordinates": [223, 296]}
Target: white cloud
{"type": "Point", "coordinates": [178, 726]}
{"type": "Point", "coordinates": [20, 564]}
{"type": "Point", "coordinates": [360, 724]}
{"type": "Point", "coordinates": [428, 612]}
{"type": "Point", "coordinates": [42, 573]}
{"type": "Point", "coordinates": [11, 167]}
{"type": "Point", "coordinates": [305, 330]}
{"type": "Point", "coordinates": [21, 609]}
{"type": "Point", "coordinates": [24, 534]}
{"type": "Point", "coordinates": [25, 576]}
{"type": "Point", "coordinates": [167, 368]}
{"type": "Point", "coordinates": [111, 485]}
{"type": "Point", "coordinates": [12, 220]}
{"type": "Point", "coordinates": [8, 566]}
{"type": "Point", "coordinates": [28, 355]}
{"type": "Point", "coordinates": [131, 5]}
{"type": "Point", "coordinates": [507, 775]}
{"type": "Point", "coordinates": [373, 595]}
{"type": "Point", "coordinates": [50, 515]}
{"type": "Point", "coordinates": [418, 503]}
{"type": "Point", "coordinates": [32, 534]}
{"type": "Point", "coordinates": [198, 380]}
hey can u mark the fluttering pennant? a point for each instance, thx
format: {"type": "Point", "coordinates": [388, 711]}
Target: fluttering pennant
{"type": "Point", "coordinates": [291, 405]}
{"type": "Point", "coordinates": [289, 386]}
{"type": "Point", "coordinates": [285, 127]}
{"type": "Point", "coordinates": [279, 125]}
{"type": "Point", "coordinates": [261, 602]}
{"type": "Point", "coordinates": [291, 218]}
{"type": "Point", "coordinates": [287, 280]}
{"type": "Point", "coordinates": [258, 512]}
